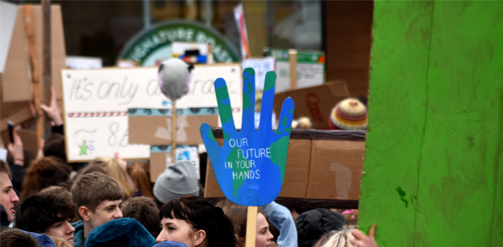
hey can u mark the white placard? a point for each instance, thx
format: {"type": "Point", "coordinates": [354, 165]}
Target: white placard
{"type": "Point", "coordinates": [261, 67]}
{"type": "Point", "coordinates": [308, 75]}
{"type": "Point", "coordinates": [96, 104]}
{"type": "Point", "coordinates": [8, 12]}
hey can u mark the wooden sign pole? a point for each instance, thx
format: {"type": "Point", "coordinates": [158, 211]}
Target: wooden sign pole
{"type": "Point", "coordinates": [173, 132]}
{"type": "Point", "coordinates": [35, 74]}
{"type": "Point", "coordinates": [251, 226]}
{"type": "Point", "coordinates": [46, 61]}
{"type": "Point", "coordinates": [293, 68]}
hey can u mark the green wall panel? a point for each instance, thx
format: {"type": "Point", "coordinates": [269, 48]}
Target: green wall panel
{"type": "Point", "coordinates": [397, 109]}
{"type": "Point", "coordinates": [434, 162]}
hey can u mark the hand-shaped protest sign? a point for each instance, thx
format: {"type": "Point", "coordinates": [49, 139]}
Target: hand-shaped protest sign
{"type": "Point", "coordinates": [250, 167]}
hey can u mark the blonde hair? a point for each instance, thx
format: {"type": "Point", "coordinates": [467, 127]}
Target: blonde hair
{"type": "Point", "coordinates": [339, 239]}
{"type": "Point", "coordinates": [115, 170]}
{"type": "Point", "coordinates": [59, 242]}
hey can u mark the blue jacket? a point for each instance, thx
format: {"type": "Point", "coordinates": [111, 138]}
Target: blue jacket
{"type": "Point", "coordinates": [282, 219]}
{"type": "Point", "coordinates": [43, 239]}
{"type": "Point", "coordinates": [78, 235]}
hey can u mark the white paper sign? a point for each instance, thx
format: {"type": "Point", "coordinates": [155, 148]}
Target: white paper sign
{"type": "Point", "coordinates": [96, 104]}
{"type": "Point", "coordinates": [308, 75]}
{"type": "Point", "coordinates": [261, 67]}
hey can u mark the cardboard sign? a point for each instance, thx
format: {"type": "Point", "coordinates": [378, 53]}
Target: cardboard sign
{"type": "Point", "coordinates": [250, 166]}
{"type": "Point", "coordinates": [310, 69]}
{"type": "Point", "coordinates": [320, 165]}
{"type": "Point", "coordinates": [160, 158]}
{"type": "Point", "coordinates": [16, 76]}
{"type": "Point", "coordinates": [315, 102]}
{"type": "Point", "coordinates": [153, 126]}
{"type": "Point", "coordinates": [96, 104]}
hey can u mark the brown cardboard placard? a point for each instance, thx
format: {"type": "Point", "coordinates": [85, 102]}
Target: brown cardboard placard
{"type": "Point", "coordinates": [16, 79]}
{"type": "Point", "coordinates": [296, 174]}
{"type": "Point", "coordinates": [157, 164]}
{"type": "Point", "coordinates": [29, 139]}
{"type": "Point", "coordinates": [324, 165]}
{"type": "Point", "coordinates": [156, 130]}
{"type": "Point", "coordinates": [314, 102]}
{"type": "Point", "coordinates": [336, 169]}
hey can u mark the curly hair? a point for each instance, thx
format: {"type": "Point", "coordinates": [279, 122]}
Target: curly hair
{"type": "Point", "coordinates": [43, 173]}
{"type": "Point", "coordinates": [36, 213]}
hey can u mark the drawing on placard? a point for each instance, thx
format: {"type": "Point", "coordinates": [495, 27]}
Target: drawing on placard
{"type": "Point", "coordinates": [83, 148]}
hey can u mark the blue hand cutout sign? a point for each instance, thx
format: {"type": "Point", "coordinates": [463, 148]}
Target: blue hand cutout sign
{"type": "Point", "coordinates": [250, 167]}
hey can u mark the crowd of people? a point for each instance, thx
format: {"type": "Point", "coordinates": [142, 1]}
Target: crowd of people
{"type": "Point", "coordinates": [108, 202]}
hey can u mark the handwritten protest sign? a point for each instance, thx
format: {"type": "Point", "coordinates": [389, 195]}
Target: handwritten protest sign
{"type": "Point", "coordinates": [250, 166]}
{"type": "Point", "coordinates": [261, 67]}
{"type": "Point", "coordinates": [96, 104]}
{"type": "Point", "coordinates": [310, 69]}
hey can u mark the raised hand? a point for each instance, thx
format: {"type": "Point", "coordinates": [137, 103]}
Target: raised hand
{"type": "Point", "coordinates": [250, 166]}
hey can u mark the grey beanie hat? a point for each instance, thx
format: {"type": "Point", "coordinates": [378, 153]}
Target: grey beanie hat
{"type": "Point", "coordinates": [176, 181]}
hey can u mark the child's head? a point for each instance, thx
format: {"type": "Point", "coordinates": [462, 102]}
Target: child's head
{"type": "Point", "coordinates": [46, 214]}
{"type": "Point", "coordinates": [115, 170]}
{"type": "Point", "coordinates": [43, 173]}
{"type": "Point", "coordinates": [97, 198]}
{"type": "Point", "coordinates": [8, 197]}
{"type": "Point", "coordinates": [145, 211]}
{"type": "Point", "coordinates": [238, 215]}
{"type": "Point", "coordinates": [194, 221]}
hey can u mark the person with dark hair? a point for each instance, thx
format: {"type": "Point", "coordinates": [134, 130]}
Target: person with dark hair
{"type": "Point", "coordinates": [16, 237]}
{"type": "Point", "coordinates": [313, 224]}
{"type": "Point", "coordinates": [239, 214]}
{"type": "Point", "coordinates": [46, 214]}
{"type": "Point", "coordinates": [195, 222]}
{"type": "Point", "coordinates": [55, 146]}
{"type": "Point", "coordinates": [145, 211]}
{"type": "Point", "coordinates": [43, 173]}
{"type": "Point", "coordinates": [8, 197]}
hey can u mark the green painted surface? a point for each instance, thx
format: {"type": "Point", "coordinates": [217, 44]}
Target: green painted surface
{"type": "Point", "coordinates": [270, 81]}
{"type": "Point", "coordinates": [224, 104]}
{"type": "Point", "coordinates": [235, 160]}
{"type": "Point", "coordinates": [397, 109]}
{"type": "Point", "coordinates": [278, 154]}
{"type": "Point", "coordinates": [434, 157]}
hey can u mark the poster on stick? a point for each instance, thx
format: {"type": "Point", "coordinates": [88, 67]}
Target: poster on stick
{"type": "Point", "coordinates": [250, 166]}
{"type": "Point", "coordinates": [310, 68]}
{"type": "Point", "coordinates": [96, 104]}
